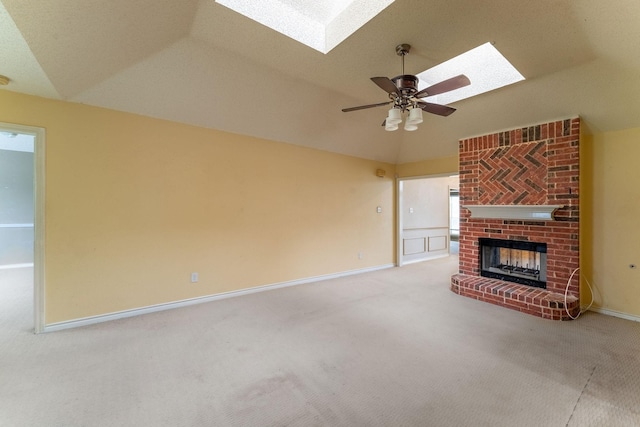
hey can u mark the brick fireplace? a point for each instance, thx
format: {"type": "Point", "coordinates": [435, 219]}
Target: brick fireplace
{"type": "Point", "coordinates": [530, 167]}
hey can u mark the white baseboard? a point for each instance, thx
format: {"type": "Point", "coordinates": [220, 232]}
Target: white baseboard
{"type": "Point", "coordinates": [75, 323]}
{"type": "Point", "coordinates": [431, 258]}
{"type": "Point", "coordinates": [616, 314]}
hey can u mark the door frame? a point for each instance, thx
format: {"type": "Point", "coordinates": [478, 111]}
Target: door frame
{"type": "Point", "coordinates": [399, 200]}
{"type": "Point", "coordinates": [38, 218]}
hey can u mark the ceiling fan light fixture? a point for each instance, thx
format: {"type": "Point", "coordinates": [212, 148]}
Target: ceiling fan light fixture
{"type": "Point", "coordinates": [410, 126]}
{"type": "Point", "coordinates": [394, 117]}
{"type": "Point", "coordinates": [415, 116]}
{"type": "Point", "coordinates": [390, 127]}
{"type": "Point", "coordinates": [405, 96]}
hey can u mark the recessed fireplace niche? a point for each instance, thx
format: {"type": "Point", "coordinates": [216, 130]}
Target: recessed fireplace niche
{"type": "Point", "coordinates": [515, 261]}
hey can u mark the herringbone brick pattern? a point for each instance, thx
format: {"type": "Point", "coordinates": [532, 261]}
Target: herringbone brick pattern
{"type": "Point", "coordinates": [514, 175]}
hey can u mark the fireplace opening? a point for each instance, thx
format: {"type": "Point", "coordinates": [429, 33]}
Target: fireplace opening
{"type": "Point", "coordinates": [514, 261]}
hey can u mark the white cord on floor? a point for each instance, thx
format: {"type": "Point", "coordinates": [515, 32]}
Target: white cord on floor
{"type": "Point", "coordinates": [566, 292]}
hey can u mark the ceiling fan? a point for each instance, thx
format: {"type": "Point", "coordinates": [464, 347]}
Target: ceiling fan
{"type": "Point", "coordinates": [405, 96]}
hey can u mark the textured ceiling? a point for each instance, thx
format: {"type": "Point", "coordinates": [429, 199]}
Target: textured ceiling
{"type": "Point", "coordinates": [200, 63]}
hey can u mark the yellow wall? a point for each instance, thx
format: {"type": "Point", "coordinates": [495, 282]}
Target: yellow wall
{"type": "Point", "coordinates": [444, 165]}
{"type": "Point", "coordinates": [134, 205]}
{"type": "Point", "coordinates": [612, 236]}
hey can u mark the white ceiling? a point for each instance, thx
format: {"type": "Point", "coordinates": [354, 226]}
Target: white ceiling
{"type": "Point", "coordinates": [198, 62]}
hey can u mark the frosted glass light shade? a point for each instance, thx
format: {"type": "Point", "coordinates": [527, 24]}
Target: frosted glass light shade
{"type": "Point", "coordinates": [410, 126]}
{"type": "Point", "coordinates": [395, 116]}
{"type": "Point", "coordinates": [390, 127]}
{"type": "Point", "coordinates": [415, 116]}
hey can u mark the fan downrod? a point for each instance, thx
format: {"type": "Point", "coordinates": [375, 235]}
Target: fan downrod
{"type": "Point", "coordinates": [403, 50]}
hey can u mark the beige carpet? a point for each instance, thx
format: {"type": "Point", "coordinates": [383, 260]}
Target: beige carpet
{"type": "Point", "coordinates": [390, 348]}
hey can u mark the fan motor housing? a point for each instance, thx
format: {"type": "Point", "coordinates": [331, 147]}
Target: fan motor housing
{"type": "Point", "coordinates": [406, 83]}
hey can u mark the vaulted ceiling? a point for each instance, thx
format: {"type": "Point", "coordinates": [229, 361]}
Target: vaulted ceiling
{"type": "Point", "coordinates": [197, 62]}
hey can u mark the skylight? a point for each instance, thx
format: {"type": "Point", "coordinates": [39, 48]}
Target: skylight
{"type": "Point", "coordinates": [484, 65]}
{"type": "Point", "coordinates": [321, 25]}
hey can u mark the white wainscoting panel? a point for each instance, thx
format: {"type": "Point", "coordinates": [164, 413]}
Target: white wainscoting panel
{"type": "Point", "coordinates": [437, 243]}
{"type": "Point", "coordinates": [414, 246]}
{"type": "Point", "coordinates": [419, 244]}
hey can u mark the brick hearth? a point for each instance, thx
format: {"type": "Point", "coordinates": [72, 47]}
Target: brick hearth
{"type": "Point", "coordinates": [527, 299]}
{"type": "Point", "coordinates": [528, 166]}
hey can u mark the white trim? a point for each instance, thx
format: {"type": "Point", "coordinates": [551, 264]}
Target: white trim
{"type": "Point", "coordinates": [435, 175]}
{"type": "Point", "coordinates": [39, 232]}
{"type": "Point", "coordinates": [39, 215]}
{"type": "Point", "coordinates": [16, 225]}
{"type": "Point", "coordinates": [426, 259]}
{"type": "Point", "coordinates": [399, 262]}
{"type": "Point", "coordinates": [85, 321]}
{"type": "Point", "coordinates": [614, 313]}
{"type": "Point", "coordinates": [10, 266]}
{"type": "Point", "coordinates": [525, 212]}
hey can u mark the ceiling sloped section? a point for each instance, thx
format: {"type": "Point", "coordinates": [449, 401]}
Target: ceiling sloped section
{"type": "Point", "coordinates": [80, 43]}
{"type": "Point", "coordinates": [19, 63]}
{"type": "Point", "coordinates": [192, 83]}
{"type": "Point", "coordinates": [200, 63]}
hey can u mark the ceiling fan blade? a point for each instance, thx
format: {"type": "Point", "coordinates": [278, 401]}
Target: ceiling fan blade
{"type": "Point", "coordinates": [444, 86]}
{"type": "Point", "coordinates": [362, 107]}
{"type": "Point", "coordinates": [386, 84]}
{"type": "Point", "coordinates": [441, 110]}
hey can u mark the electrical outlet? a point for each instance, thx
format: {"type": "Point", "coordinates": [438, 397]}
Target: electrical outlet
{"type": "Point", "coordinates": [360, 256]}
{"type": "Point", "coordinates": [194, 277]}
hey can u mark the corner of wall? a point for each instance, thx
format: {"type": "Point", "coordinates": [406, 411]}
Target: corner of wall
{"type": "Point", "coordinates": [586, 214]}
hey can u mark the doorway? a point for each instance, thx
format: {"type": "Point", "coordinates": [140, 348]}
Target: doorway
{"type": "Point", "coordinates": [22, 225]}
{"type": "Point", "coordinates": [424, 217]}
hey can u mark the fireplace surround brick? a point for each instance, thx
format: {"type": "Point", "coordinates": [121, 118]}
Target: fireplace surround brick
{"type": "Point", "coordinates": [526, 166]}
